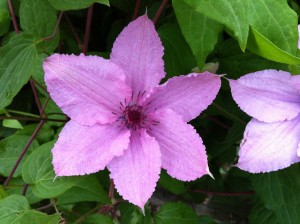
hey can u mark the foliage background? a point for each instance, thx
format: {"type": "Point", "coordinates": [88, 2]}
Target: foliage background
{"type": "Point", "coordinates": [233, 36]}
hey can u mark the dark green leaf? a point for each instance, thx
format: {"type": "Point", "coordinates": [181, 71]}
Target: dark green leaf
{"type": "Point", "coordinates": [10, 150]}
{"type": "Point", "coordinates": [178, 56]}
{"type": "Point", "coordinates": [75, 4]}
{"type": "Point", "coordinates": [38, 172]}
{"type": "Point", "coordinates": [199, 31]}
{"type": "Point", "coordinates": [173, 185]}
{"type": "Point", "coordinates": [176, 213]}
{"type": "Point", "coordinates": [261, 215]}
{"type": "Point", "coordinates": [4, 17]}
{"type": "Point", "coordinates": [45, 134]}
{"type": "Point", "coordinates": [131, 214]}
{"type": "Point", "coordinates": [18, 59]}
{"type": "Point", "coordinates": [279, 192]}
{"type": "Point", "coordinates": [97, 219]}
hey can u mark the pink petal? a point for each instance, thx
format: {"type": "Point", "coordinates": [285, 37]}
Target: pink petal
{"type": "Point", "coordinates": [136, 172]}
{"type": "Point", "coordinates": [84, 87]}
{"type": "Point", "coordinates": [138, 51]}
{"type": "Point", "coordinates": [267, 95]}
{"type": "Point", "coordinates": [82, 150]}
{"type": "Point", "coordinates": [269, 146]}
{"type": "Point", "coordinates": [183, 153]}
{"type": "Point", "coordinates": [186, 95]}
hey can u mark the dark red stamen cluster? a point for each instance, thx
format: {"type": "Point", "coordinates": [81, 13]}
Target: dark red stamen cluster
{"type": "Point", "coordinates": [133, 116]}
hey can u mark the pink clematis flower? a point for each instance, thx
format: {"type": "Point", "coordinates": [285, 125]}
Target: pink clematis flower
{"type": "Point", "coordinates": [123, 120]}
{"type": "Point", "coordinates": [271, 139]}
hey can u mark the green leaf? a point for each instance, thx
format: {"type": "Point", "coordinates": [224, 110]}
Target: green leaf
{"type": "Point", "coordinates": [273, 23]}
{"type": "Point", "coordinates": [261, 215]}
{"type": "Point", "coordinates": [3, 193]}
{"type": "Point", "coordinates": [75, 4]}
{"type": "Point", "coordinates": [279, 192]}
{"type": "Point", "coordinates": [97, 218]}
{"type": "Point", "coordinates": [16, 187]}
{"type": "Point", "coordinates": [44, 135]}
{"type": "Point", "coordinates": [4, 17]}
{"type": "Point", "coordinates": [131, 214]}
{"type": "Point", "coordinates": [200, 32]}
{"type": "Point", "coordinates": [176, 213]}
{"type": "Point", "coordinates": [87, 189]}
{"type": "Point", "coordinates": [39, 174]}
{"type": "Point", "coordinates": [17, 61]}
{"type": "Point", "coordinates": [236, 63]}
{"type": "Point", "coordinates": [10, 123]}
{"type": "Point", "coordinates": [231, 13]}
{"type": "Point", "coordinates": [10, 150]}
{"type": "Point", "coordinates": [276, 21]}
{"type": "Point", "coordinates": [260, 45]}
{"type": "Point", "coordinates": [15, 209]}
{"type": "Point", "coordinates": [38, 17]}
{"type": "Point", "coordinates": [178, 56]}
{"type": "Point", "coordinates": [171, 184]}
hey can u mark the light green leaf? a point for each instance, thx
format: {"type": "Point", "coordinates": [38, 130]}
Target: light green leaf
{"type": "Point", "coordinates": [10, 123]}
{"type": "Point", "coordinates": [3, 193]}
{"type": "Point", "coordinates": [4, 17]}
{"type": "Point", "coordinates": [176, 213]}
{"type": "Point", "coordinates": [260, 45]}
{"type": "Point", "coordinates": [276, 21]}
{"type": "Point", "coordinates": [200, 32]}
{"type": "Point", "coordinates": [273, 25]}
{"type": "Point", "coordinates": [88, 189]}
{"type": "Point", "coordinates": [10, 150]}
{"type": "Point", "coordinates": [39, 18]}
{"type": "Point", "coordinates": [18, 59]}
{"type": "Point", "coordinates": [279, 192]}
{"type": "Point", "coordinates": [178, 56]}
{"type": "Point", "coordinates": [15, 209]}
{"type": "Point", "coordinates": [75, 4]}
{"type": "Point", "coordinates": [39, 174]}
{"type": "Point", "coordinates": [231, 13]}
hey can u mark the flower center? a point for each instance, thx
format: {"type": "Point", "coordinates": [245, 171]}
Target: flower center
{"type": "Point", "coordinates": [133, 116]}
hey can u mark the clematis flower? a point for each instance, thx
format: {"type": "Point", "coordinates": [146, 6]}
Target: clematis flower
{"type": "Point", "coordinates": [271, 139]}
{"type": "Point", "coordinates": [123, 120]}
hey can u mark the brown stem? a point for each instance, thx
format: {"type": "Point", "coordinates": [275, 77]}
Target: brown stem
{"type": "Point", "coordinates": [159, 11]}
{"type": "Point", "coordinates": [55, 29]}
{"type": "Point", "coordinates": [33, 119]}
{"type": "Point", "coordinates": [25, 187]}
{"type": "Point", "coordinates": [42, 111]}
{"type": "Point", "coordinates": [80, 45]}
{"type": "Point", "coordinates": [87, 29]}
{"type": "Point", "coordinates": [40, 85]}
{"type": "Point", "coordinates": [136, 9]}
{"type": "Point", "coordinates": [224, 193]}
{"type": "Point", "coordinates": [111, 189]}
{"type": "Point", "coordinates": [13, 17]}
{"type": "Point", "coordinates": [36, 131]}
{"type": "Point", "coordinates": [45, 207]}
{"type": "Point", "coordinates": [35, 94]}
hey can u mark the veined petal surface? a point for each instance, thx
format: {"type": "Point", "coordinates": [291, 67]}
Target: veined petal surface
{"type": "Point", "coordinates": [136, 172]}
{"type": "Point", "coordinates": [269, 146]}
{"type": "Point", "coordinates": [83, 150]}
{"type": "Point", "coordinates": [186, 95]}
{"type": "Point", "coordinates": [87, 88]}
{"type": "Point", "coordinates": [183, 153]}
{"type": "Point", "coordinates": [267, 95]}
{"type": "Point", "coordinates": [138, 51]}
